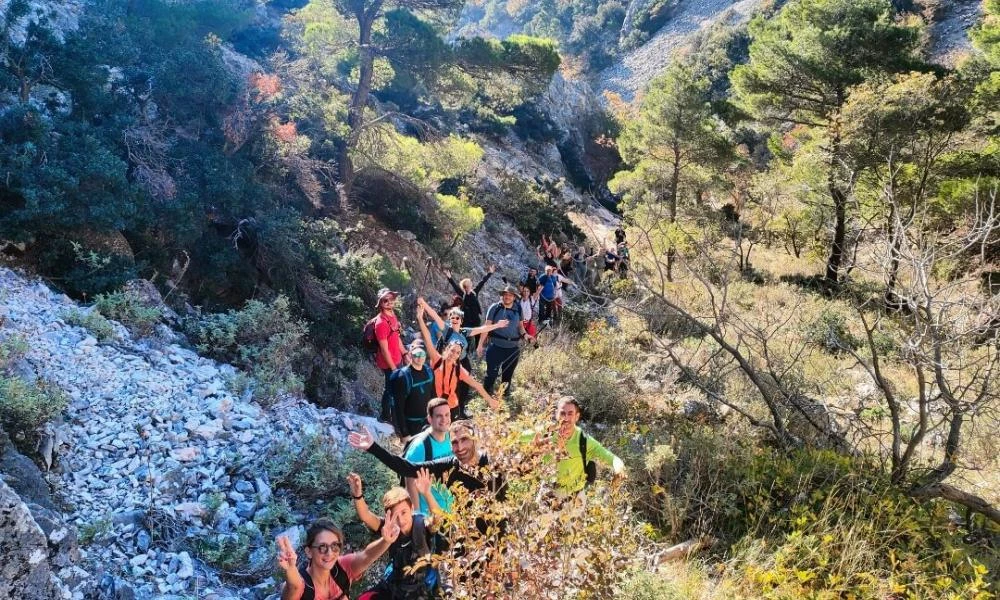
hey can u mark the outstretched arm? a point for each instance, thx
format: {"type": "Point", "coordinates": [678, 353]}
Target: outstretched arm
{"type": "Point", "coordinates": [486, 277]}
{"type": "Point", "coordinates": [488, 327]}
{"type": "Point", "coordinates": [454, 285]}
{"type": "Point", "coordinates": [472, 383]}
{"type": "Point", "coordinates": [425, 333]}
{"type": "Point", "coordinates": [360, 506]}
{"type": "Point", "coordinates": [365, 558]}
{"type": "Point", "coordinates": [287, 559]}
{"type": "Point", "coordinates": [429, 310]}
{"type": "Point", "coordinates": [422, 483]}
{"type": "Point", "coordinates": [363, 440]}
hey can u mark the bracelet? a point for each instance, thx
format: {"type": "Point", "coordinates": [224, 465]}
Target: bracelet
{"type": "Point", "coordinates": [361, 497]}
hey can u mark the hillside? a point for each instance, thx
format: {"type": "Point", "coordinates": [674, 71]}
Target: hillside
{"type": "Point", "coordinates": [769, 311]}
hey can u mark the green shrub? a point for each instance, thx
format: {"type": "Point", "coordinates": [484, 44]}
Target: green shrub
{"type": "Point", "coordinates": [127, 308]}
{"type": "Point", "coordinates": [24, 407]}
{"type": "Point", "coordinates": [92, 321]}
{"type": "Point", "coordinates": [310, 470]}
{"type": "Point", "coordinates": [532, 210]}
{"type": "Point", "coordinates": [600, 391]}
{"type": "Point", "coordinates": [264, 340]}
{"type": "Point", "coordinates": [12, 349]}
{"type": "Point", "coordinates": [644, 585]}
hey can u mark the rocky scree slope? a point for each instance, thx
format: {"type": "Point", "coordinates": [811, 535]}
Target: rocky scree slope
{"type": "Point", "coordinates": [151, 435]}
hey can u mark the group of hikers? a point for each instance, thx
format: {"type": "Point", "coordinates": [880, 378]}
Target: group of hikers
{"type": "Point", "coordinates": [427, 387]}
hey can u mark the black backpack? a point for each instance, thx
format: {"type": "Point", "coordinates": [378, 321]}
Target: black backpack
{"type": "Point", "coordinates": [589, 466]}
{"type": "Point", "coordinates": [412, 586]}
{"type": "Point", "coordinates": [446, 337]}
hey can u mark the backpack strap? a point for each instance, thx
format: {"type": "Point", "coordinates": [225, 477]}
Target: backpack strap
{"type": "Point", "coordinates": [342, 579]}
{"type": "Point", "coordinates": [583, 449]}
{"type": "Point", "coordinates": [428, 449]}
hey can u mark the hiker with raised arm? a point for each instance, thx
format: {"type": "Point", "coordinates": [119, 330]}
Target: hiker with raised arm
{"type": "Point", "coordinates": [328, 574]}
{"type": "Point", "coordinates": [430, 444]}
{"type": "Point", "coordinates": [448, 369]}
{"type": "Point", "coordinates": [548, 293]}
{"type": "Point", "coordinates": [466, 466]}
{"type": "Point", "coordinates": [382, 335]}
{"type": "Point", "coordinates": [473, 312]}
{"type": "Point", "coordinates": [503, 345]}
{"type": "Point", "coordinates": [565, 439]}
{"type": "Point", "coordinates": [403, 577]}
{"type": "Point", "coordinates": [452, 330]}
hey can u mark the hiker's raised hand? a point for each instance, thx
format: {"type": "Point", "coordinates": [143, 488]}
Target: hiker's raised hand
{"type": "Point", "coordinates": [287, 559]}
{"type": "Point", "coordinates": [492, 269]}
{"type": "Point", "coordinates": [423, 481]}
{"type": "Point", "coordinates": [390, 530]}
{"type": "Point", "coordinates": [447, 273]}
{"type": "Point", "coordinates": [421, 311]}
{"type": "Point", "coordinates": [354, 483]}
{"type": "Point", "coordinates": [361, 440]}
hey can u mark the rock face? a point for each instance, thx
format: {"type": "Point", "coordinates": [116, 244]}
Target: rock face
{"type": "Point", "coordinates": [152, 441]}
{"type": "Point", "coordinates": [58, 16]}
{"type": "Point", "coordinates": [630, 75]}
{"type": "Point", "coordinates": [25, 571]}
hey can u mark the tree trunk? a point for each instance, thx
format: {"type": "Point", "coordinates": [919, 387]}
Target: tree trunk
{"type": "Point", "coordinates": [675, 176]}
{"type": "Point", "coordinates": [839, 198]}
{"type": "Point", "coordinates": [359, 99]}
{"type": "Point", "coordinates": [953, 494]}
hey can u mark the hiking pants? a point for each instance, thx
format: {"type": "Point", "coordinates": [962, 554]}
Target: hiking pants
{"type": "Point", "coordinates": [502, 362]}
{"type": "Point", "coordinates": [386, 397]}
{"type": "Point", "coordinates": [545, 309]}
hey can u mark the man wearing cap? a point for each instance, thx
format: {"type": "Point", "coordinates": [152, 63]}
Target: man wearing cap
{"type": "Point", "coordinates": [548, 292]}
{"type": "Point", "coordinates": [390, 345]}
{"type": "Point", "coordinates": [503, 344]}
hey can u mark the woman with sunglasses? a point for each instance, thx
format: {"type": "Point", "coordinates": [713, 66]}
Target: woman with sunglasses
{"type": "Point", "coordinates": [328, 575]}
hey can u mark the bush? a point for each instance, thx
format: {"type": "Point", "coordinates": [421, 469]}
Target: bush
{"type": "Point", "coordinates": [92, 321]}
{"type": "Point", "coordinates": [532, 210]}
{"type": "Point", "coordinates": [12, 349]}
{"type": "Point", "coordinates": [127, 307]}
{"type": "Point", "coordinates": [600, 391]}
{"type": "Point", "coordinates": [264, 340]}
{"type": "Point", "coordinates": [24, 407]}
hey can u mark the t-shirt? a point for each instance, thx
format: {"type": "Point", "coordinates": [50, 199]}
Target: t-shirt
{"type": "Point", "coordinates": [509, 336]}
{"type": "Point", "coordinates": [548, 283]}
{"type": "Point", "coordinates": [435, 332]}
{"type": "Point", "coordinates": [526, 309]}
{"type": "Point", "coordinates": [530, 282]}
{"type": "Point", "coordinates": [461, 336]}
{"type": "Point", "coordinates": [417, 453]}
{"type": "Point", "coordinates": [387, 328]}
{"type": "Point", "coordinates": [347, 563]}
{"type": "Point", "coordinates": [570, 474]}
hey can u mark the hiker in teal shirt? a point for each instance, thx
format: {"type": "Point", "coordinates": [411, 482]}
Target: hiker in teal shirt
{"type": "Point", "coordinates": [433, 442]}
{"type": "Point", "coordinates": [565, 441]}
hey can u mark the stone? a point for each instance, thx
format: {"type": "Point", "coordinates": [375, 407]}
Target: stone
{"type": "Point", "coordinates": [190, 510]}
{"type": "Point", "coordinates": [143, 540]}
{"type": "Point", "coordinates": [186, 454]}
{"type": "Point", "coordinates": [25, 572]}
{"type": "Point", "coordinates": [246, 509]}
{"type": "Point", "coordinates": [185, 569]}
{"type": "Point", "coordinates": [263, 490]}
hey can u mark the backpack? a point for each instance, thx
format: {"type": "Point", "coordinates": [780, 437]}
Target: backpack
{"type": "Point", "coordinates": [498, 306]}
{"type": "Point", "coordinates": [421, 544]}
{"type": "Point", "coordinates": [406, 374]}
{"type": "Point", "coordinates": [369, 344]}
{"type": "Point", "coordinates": [428, 451]}
{"type": "Point", "coordinates": [442, 342]}
{"type": "Point", "coordinates": [589, 466]}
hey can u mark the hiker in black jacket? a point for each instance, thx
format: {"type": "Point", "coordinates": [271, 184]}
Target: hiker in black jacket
{"type": "Point", "coordinates": [470, 297]}
{"type": "Point", "coordinates": [466, 468]}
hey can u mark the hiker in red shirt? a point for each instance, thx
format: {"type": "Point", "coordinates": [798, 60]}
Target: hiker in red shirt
{"type": "Point", "coordinates": [391, 353]}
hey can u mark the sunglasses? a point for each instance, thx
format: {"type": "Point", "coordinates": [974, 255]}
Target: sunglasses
{"type": "Point", "coordinates": [327, 548]}
{"type": "Point", "coordinates": [418, 354]}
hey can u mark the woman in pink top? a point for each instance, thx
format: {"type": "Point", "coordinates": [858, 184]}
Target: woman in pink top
{"type": "Point", "coordinates": [328, 575]}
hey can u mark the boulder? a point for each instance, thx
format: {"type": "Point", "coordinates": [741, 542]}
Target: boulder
{"type": "Point", "coordinates": [25, 572]}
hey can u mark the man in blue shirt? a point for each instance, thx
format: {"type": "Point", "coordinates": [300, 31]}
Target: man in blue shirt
{"type": "Point", "coordinates": [548, 283]}
{"type": "Point", "coordinates": [433, 442]}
